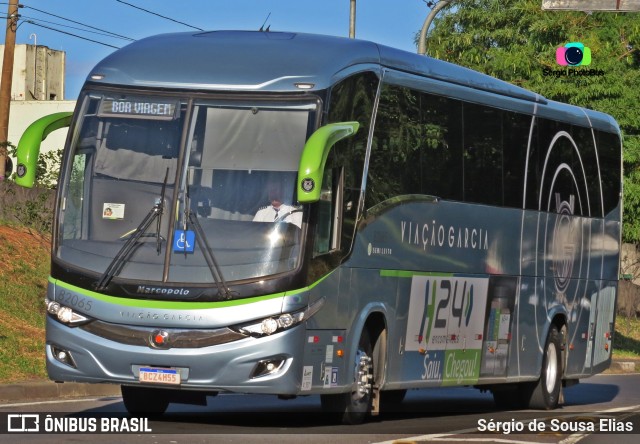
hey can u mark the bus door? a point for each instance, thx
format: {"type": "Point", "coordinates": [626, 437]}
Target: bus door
{"type": "Point", "coordinates": [498, 360]}
{"type": "Point", "coordinates": [600, 330]}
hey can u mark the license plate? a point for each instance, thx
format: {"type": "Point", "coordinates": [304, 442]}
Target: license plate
{"type": "Point", "coordinates": [156, 375]}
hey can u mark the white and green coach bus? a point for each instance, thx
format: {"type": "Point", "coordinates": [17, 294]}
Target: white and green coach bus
{"type": "Point", "coordinates": [293, 214]}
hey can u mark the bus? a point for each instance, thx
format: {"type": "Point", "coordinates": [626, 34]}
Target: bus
{"type": "Point", "coordinates": [436, 227]}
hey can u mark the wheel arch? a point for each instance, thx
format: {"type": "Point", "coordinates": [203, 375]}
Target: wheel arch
{"type": "Point", "coordinates": [374, 318]}
{"type": "Point", "coordinates": [560, 321]}
{"type": "Point", "coordinates": [375, 323]}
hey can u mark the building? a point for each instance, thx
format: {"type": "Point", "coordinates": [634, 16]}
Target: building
{"type": "Point", "coordinates": [37, 89]}
{"type": "Point", "coordinates": [38, 73]}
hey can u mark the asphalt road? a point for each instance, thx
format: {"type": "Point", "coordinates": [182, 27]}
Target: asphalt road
{"type": "Point", "coordinates": [437, 415]}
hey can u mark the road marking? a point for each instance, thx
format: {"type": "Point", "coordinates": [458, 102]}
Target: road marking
{"type": "Point", "coordinates": [445, 437]}
{"type": "Point", "coordinates": [571, 439]}
{"type": "Point", "coordinates": [25, 404]}
{"type": "Point", "coordinates": [622, 409]}
{"type": "Point", "coordinates": [576, 437]}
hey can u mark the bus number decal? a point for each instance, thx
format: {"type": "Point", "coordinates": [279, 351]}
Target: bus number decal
{"type": "Point", "coordinates": [72, 299]}
{"type": "Point", "coordinates": [445, 327]}
{"type": "Point", "coordinates": [441, 322]}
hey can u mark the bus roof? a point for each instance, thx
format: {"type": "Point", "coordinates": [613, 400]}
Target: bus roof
{"type": "Point", "coordinates": [270, 61]}
{"type": "Point", "coordinates": [278, 61]}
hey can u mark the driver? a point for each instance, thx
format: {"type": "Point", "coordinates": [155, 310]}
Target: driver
{"type": "Point", "coordinates": [278, 211]}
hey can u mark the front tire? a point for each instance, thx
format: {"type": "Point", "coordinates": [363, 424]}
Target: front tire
{"type": "Point", "coordinates": [354, 406]}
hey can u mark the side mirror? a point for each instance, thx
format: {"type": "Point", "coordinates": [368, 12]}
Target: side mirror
{"type": "Point", "coordinates": [314, 157]}
{"type": "Point", "coordinates": [29, 145]}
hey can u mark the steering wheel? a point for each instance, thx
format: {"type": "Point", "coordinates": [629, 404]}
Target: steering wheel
{"type": "Point", "coordinates": [282, 217]}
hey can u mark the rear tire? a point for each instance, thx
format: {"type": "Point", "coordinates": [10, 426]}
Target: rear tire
{"type": "Point", "coordinates": [354, 406]}
{"type": "Point", "coordinates": [545, 393]}
{"type": "Point", "coordinates": [143, 401]}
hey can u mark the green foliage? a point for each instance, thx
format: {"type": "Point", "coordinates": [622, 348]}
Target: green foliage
{"type": "Point", "coordinates": [35, 213]}
{"type": "Point", "coordinates": [34, 209]}
{"type": "Point", "coordinates": [47, 168]}
{"type": "Point", "coordinates": [515, 40]}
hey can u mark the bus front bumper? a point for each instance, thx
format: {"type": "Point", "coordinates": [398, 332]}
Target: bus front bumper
{"type": "Point", "coordinates": [239, 366]}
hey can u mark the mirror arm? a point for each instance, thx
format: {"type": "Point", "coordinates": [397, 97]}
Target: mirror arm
{"type": "Point", "coordinates": [29, 145]}
{"type": "Point", "coordinates": [314, 157]}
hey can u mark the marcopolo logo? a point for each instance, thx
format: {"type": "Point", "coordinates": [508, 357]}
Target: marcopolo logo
{"type": "Point", "coordinates": [573, 54]}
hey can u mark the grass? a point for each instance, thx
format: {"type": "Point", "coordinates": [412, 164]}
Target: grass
{"type": "Point", "coordinates": [24, 269]}
{"type": "Point", "coordinates": [626, 341]}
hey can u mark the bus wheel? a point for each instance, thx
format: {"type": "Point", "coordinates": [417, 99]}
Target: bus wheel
{"type": "Point", "coordinates": [545, 393]}
{"type": "Point", "coordinates": [354, 406]}
{"type": "Point", "coordinates": [144, 400]}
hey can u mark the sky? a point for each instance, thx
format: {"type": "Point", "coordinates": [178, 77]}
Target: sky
{"type": "Point", "coordinates": [389, 22]}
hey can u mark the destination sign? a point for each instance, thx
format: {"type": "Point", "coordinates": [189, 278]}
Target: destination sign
{"type": "Point", "coordinates": [138, 108]}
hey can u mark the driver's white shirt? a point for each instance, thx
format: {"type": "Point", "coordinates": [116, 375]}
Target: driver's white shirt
{"type": "Point", "coordinates": [269, 214]}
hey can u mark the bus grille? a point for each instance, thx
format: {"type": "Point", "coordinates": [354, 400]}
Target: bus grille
{"type": "Point", "coordinates": [172, 337]}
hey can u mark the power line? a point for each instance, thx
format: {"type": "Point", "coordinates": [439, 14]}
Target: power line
{"type": "Point", "coordinates": [75, 27]}
{"type": "Point", "coordinates": [78, 23]}
{"type": "Point", "coordinates": [158, 15]}
{"type": "Point", "coordinates": [31, 22]}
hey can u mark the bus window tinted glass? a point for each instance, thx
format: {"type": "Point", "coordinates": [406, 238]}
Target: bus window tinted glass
{"type": "Point", "coordinates": [442, 150]}
{"type": "Point", "coordinates": [482, 154]}
{"type": "Point", "coordinates": [351, 100]}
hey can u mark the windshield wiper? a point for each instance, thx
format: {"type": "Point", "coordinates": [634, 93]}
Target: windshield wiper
{"type": "Point", "coordinates": [127, 249]}
{"type": "Point", "coordinates": [207, 252]}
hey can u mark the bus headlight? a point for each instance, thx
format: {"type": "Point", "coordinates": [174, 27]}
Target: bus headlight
{"type": "Point", "coordinates": [273, 324]}
{"type": "Point", "coordinates": [64, 314]}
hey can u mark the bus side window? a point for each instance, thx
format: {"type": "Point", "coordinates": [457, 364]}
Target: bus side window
{"type": "Point", "coordinates": [328, 228]}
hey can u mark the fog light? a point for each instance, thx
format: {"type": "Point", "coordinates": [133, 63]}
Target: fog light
{"type": "Point", "coordinates": [268, 367]}
{"type": "Point", "coordinates": [63, 356]}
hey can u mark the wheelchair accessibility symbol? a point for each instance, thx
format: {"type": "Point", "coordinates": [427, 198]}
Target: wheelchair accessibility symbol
{"type": "Point", "coordinates": [184, 241]}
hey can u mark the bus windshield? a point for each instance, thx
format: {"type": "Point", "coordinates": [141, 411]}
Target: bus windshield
{"type": "Point", "coordinates": [227, 193]}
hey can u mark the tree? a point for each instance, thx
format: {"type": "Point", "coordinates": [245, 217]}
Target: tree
{"type": "Point", "coordinates": [516, 41]}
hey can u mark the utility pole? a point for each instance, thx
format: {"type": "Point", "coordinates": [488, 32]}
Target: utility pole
{"type": "Point", "coordinates": [352, 20]}
{"type": "Point", "coordinates": [7, 80]}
